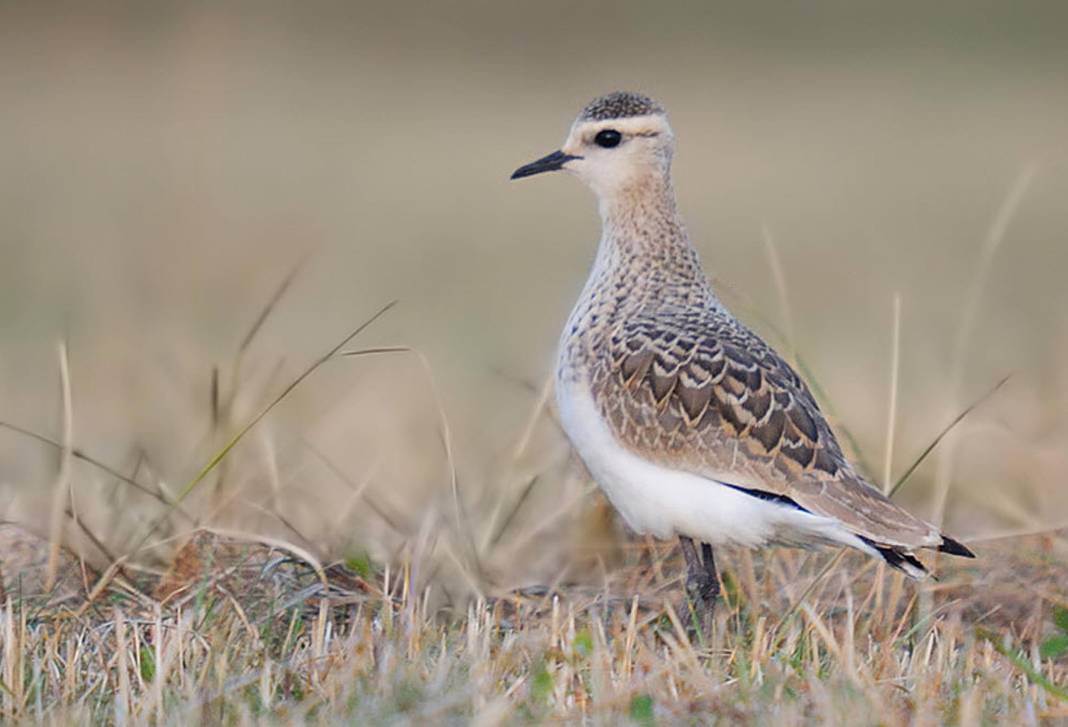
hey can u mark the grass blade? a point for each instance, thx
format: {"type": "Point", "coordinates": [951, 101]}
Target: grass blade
{"type": "Point", "coordinates": [221, 454]}
{"type": "Point", "coordinates": [941, 435]}
{"type": "Point", "coordinates": [61, 488]}
{"type": "Point", "coordinates": [891, 416]}
{"type": "Point", "coordinates": [272, 302]}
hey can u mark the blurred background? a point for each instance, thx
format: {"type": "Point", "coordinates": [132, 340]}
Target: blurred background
{"type": "Point", "coordinates": [164, 167]}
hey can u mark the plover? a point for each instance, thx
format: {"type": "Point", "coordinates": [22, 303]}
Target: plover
{"type": "Point", "coordinates": [692, 424]}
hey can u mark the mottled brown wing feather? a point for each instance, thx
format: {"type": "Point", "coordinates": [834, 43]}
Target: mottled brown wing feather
{"type": "Point", "coordinates": [695, 390]}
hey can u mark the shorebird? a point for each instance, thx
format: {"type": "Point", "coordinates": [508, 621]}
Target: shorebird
{"type": "Point", "coordinates": [692, 424]}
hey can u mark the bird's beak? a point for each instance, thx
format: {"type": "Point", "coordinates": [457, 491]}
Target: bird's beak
{"type": "Point", "coordinates": [550, 163]}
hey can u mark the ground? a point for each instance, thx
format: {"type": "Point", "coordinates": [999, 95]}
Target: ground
{"type": "Point", "coordinates": [239, 631]}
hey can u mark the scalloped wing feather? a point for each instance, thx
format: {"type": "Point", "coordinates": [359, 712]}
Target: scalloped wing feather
{"type": "Point", "coordinates": [698, 391]}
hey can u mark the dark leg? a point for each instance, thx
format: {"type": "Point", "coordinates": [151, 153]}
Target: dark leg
{"type": "Point", "coordinates": [702, 585]}
{"type": "Point", "coordinates": [710, 570]}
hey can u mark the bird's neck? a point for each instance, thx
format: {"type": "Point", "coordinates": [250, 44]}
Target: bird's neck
{"type": "Point", "coordinates": [645, 262]}
{"type": "Point", "coordinates": [643, 233]}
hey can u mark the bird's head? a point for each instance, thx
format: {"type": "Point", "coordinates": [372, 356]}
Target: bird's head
{"type": "Point", "coordinates": [619, 142]}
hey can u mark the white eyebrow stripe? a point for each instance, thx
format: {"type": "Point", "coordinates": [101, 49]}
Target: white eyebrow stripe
{"type": "Point", "coordinates": [633, 126]}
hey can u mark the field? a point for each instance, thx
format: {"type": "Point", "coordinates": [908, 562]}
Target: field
{"type": "Point", "coordinates": [240, 632]}
{"type": "Point", "coordinates": [197, 623]}
{"type": "Point", "coordinates": [276, 439]}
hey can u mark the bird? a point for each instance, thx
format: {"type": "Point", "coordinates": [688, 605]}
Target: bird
{"type": "Point", "coordinates": [693, 426]}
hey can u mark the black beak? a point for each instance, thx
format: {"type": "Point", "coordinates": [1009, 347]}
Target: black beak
{"type": "Point", "coordinates": [549, 163]}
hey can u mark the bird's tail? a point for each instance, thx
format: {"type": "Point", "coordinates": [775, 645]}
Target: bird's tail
{"type": "Point", "coordinates": [907, 563]}
{"type": "Point", "coordinates": [902, 560]}
{"type": "Point", "coordinates": [954, 547]}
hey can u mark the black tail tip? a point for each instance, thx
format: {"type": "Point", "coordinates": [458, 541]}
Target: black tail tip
{"type": "Point", "coordinates": [954, 547]}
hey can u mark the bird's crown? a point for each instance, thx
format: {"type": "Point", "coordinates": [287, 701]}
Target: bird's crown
{"type": "Point", "coordinates": [619, 105]}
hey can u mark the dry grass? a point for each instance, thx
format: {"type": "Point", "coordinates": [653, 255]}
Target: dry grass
{"type": "Point", "coordinates": [209, 625]}
{"type": "Point", "coordinates": [219, 626]}
{"type": "Point", "coordinates": [198, 624]}
{"type": "Point", "coordinates": [239, 631]}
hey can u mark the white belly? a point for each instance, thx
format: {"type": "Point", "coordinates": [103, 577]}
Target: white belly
{"type": "Point", "coordinates": [665, 502]}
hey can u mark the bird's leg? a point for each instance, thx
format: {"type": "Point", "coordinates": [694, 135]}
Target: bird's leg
{"type": "Point", "coordinates": [709, 561]}
{"type": "Point", "coordinates": [702, 585]}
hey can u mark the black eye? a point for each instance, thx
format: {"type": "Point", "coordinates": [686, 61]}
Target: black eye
{"type": "Point", "coordinates": [608, 138]}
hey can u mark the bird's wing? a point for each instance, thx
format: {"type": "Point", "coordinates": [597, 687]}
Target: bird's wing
{"type": "Point", "coordinates": [695, 390]}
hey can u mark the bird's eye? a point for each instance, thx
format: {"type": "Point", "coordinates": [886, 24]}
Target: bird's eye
{"type": "Point", "coordinates": [608, 138]}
